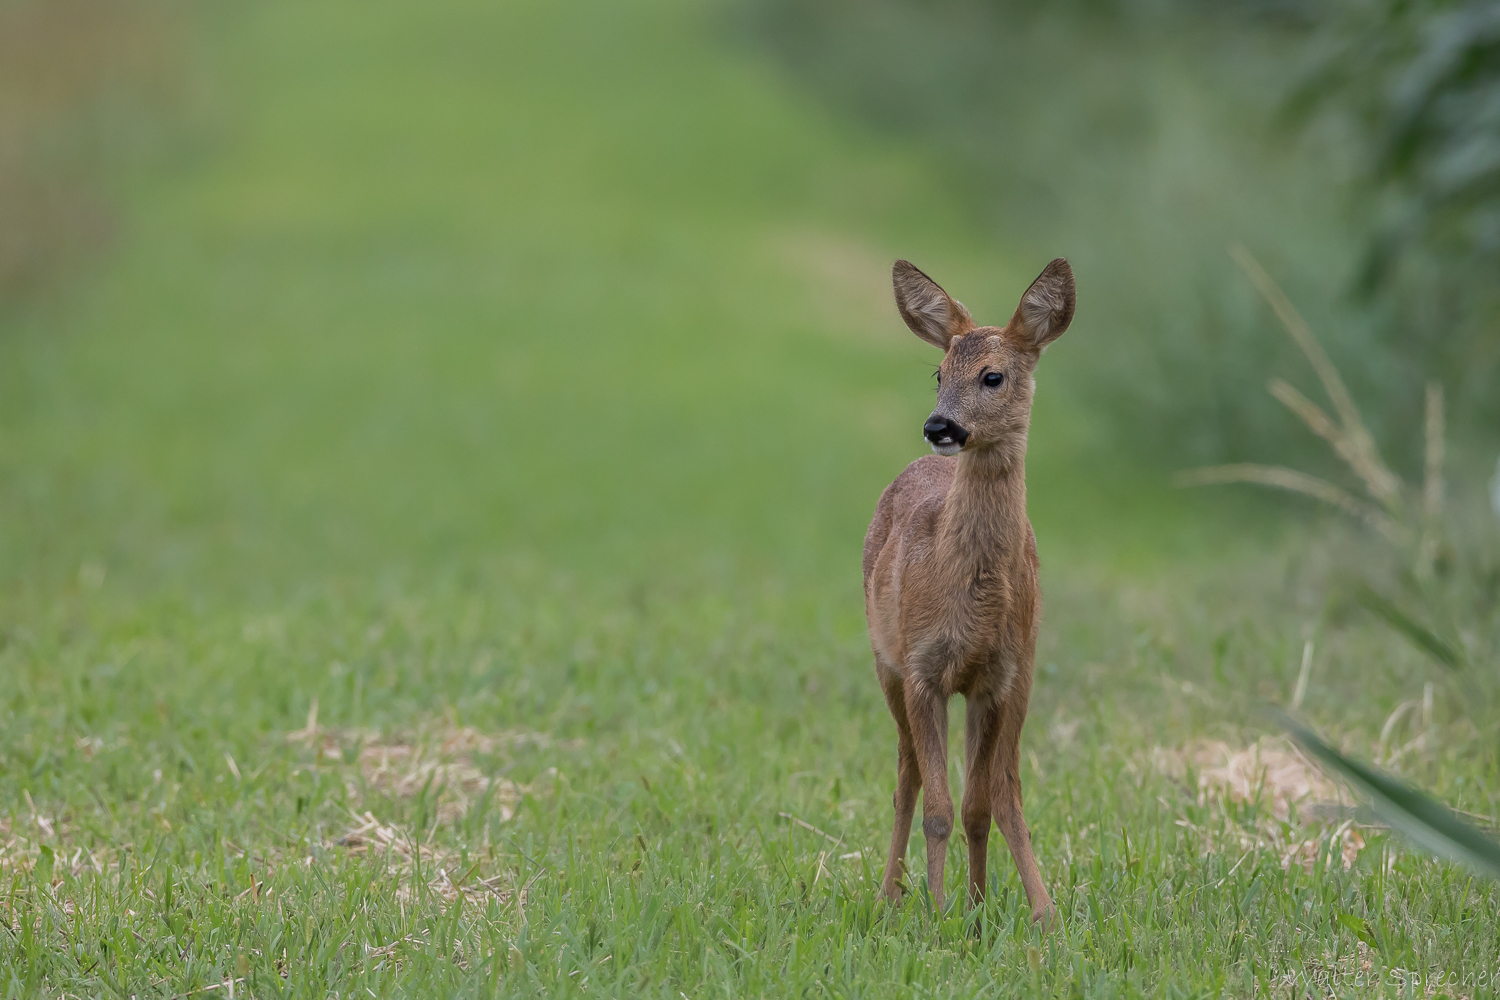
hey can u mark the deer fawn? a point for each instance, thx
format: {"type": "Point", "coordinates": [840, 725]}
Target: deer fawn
{"type": "Point", "coordinates": [951, 588]}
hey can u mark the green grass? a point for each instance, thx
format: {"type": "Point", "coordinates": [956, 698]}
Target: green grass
{"type": "Point", "coordinates": [512, 383]}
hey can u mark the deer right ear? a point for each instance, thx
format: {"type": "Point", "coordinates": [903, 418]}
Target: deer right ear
{"type": "Point", "coordinates": [1047, 307]}
{"type": "Point", "coordinates": [932, 313]}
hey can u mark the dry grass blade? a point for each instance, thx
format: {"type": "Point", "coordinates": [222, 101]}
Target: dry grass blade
{"type": "Point", "coordinates": [1432, 484]}
{"type": "Point", "coordinates": [371, 833]}
{"type": "Point", "coordinates": [1311, 413]}
{"type": "Point", "coordinates": [1283, 478]}
{"type": "Point", "coordinates": [308, 733]}
{"type": "Point", "coordinates": [808, 826]}
{"type": "Point", "coordinates": [387, 950]}
{"type": "Point", "coordinates": [1320, 424]}
{"type": "Point", "coordinates": [1303, 675]}
{"type": "Point", "coordinates": [227, 984]}
{"type": "Point", "coordinates": [1432, 480]}
{"type": "Point", "coordinates": [1362, 455]}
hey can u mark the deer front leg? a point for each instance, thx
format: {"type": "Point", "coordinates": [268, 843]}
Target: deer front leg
{"type": "Point", "coordinates": [1008, 816]}
{"type": "Point", "coordinates": [908, 783]}
{"type": "Point", "coordinates": [981, 736]}
{"type": "Point", "coordinates": [927, 712]}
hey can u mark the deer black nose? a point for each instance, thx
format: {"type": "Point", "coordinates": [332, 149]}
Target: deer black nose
{"type": "Point", "coordinates": [941, 430]}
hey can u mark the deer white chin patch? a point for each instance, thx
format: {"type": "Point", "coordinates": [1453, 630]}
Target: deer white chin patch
{"type": "Point", "coordinates": [948, 449]}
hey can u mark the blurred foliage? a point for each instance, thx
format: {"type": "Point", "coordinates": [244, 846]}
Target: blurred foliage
{"type": "Point", "coordinates": [1416, 87]}
{"type": "Point", "coordinates": [74, 75]}
{"type": "Point", "coordinates": [1140, 139]}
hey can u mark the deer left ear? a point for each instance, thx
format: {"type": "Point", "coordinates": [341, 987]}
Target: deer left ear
{"type": "Point", "coordinates": [1047, 307]}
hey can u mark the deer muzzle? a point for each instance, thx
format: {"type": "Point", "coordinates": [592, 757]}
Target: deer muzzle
{"type": "Point", "coordinates": [945, 435]}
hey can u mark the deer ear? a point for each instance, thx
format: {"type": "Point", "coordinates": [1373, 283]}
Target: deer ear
{"type": "Point", "coordinates": [930, 312]}
{"type": "Point", "coordinates": [1047, 307]}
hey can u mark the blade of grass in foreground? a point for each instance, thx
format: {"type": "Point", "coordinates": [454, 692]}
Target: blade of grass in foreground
{"type": "Point", "coordinates": [1420, 817]}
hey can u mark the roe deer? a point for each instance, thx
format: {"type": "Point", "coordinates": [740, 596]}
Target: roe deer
{"type": "Point", "coordinates": [951, 588]}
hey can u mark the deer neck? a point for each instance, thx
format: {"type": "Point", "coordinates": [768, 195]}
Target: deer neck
{"type": "Point", "coordinates": [984, 518]}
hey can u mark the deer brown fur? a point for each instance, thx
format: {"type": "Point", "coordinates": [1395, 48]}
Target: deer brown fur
{"type": "Point", "coordinates": [951, 588]}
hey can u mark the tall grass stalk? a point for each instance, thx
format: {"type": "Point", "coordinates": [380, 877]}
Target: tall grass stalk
{"type": "Point", "coordinates": [1416, 530]}
{"type": "Point", "coordinates": [1350, 439]}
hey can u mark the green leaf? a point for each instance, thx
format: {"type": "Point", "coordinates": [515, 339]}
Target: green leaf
{"type": "Point", "coordinates": [1360, 927]}
{"type": "Point", "coordinates": [1421, 818]}
{"type": "Point", "coordinates": [1418, 634]}
{"type": "Point", "coordinates": [1251, 894]}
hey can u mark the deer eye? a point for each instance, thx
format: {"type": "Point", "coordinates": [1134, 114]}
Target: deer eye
{"type": "Point", "coordinates": [994, 378]}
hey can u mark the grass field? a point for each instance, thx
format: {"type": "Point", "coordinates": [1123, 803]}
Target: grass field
{"type": "Point", "coordinates": [429, 566]}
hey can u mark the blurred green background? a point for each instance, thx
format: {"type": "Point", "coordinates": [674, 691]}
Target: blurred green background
{"type": "Point", "coordinates": [531, 368]}
{"type": "Point", "coordinates": [292, 289]}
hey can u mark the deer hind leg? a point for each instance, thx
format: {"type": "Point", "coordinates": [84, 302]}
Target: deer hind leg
{"type": "Point", "coordinates": [981, 736]}
{"type": "Point", "coordinates": [908, 783]}
{"type": "Point", "coordinates": [1007, 804]}
{"type": "Point", "coordinates": [927, 712]}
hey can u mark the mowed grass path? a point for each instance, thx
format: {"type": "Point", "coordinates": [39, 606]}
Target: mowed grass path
{"type": "Point", "coordinates": [429, 558]}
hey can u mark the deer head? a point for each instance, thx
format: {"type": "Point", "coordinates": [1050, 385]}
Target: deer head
{"type": "Point", "coordinates": [984, 382]}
